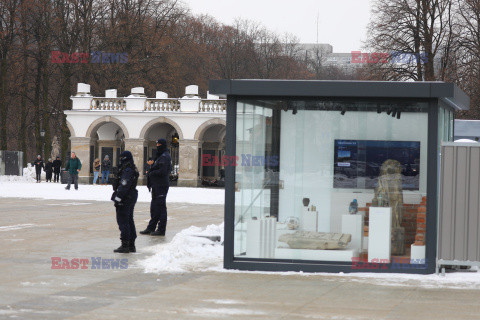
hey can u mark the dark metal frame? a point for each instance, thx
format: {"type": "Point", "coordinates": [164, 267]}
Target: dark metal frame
{"type": "Point", "coordinates": [231, 262]}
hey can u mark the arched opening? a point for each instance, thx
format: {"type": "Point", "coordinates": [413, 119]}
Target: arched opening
{"type": "Point", "coordinates": [107, 138]}
{"type": "Point", "coordinates": [169, 133]}
{"type": "Point", "coordinates": [212, 149]}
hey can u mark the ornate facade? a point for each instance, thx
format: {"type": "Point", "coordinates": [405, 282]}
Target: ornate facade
{"type": "Point", "coordinates": [107, 125]}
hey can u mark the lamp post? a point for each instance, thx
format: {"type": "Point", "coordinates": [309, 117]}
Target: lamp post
{"type": "Point", "coordinates": [42, 134]}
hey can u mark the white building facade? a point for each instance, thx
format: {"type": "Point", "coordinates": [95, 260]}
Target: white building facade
{"type": "Point", "coordinates": [192, 126]}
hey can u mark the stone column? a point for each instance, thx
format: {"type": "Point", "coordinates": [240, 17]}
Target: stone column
{"type": "Point", "coordinates": [135, 146]}
{"type": "Point", "coordinates": [81, 147]}
{"type": "Point", "coordinates": [188, 163]}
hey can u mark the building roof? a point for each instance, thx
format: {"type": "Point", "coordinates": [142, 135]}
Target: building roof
{"type": "Point", "coordinates": [447, 92]}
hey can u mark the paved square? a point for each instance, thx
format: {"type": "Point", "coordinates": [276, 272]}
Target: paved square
{"type": "Point", "coordinates": [33, 231]}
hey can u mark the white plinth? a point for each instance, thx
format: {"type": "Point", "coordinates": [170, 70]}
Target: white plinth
{"type": "Point", "coordinates": [309, 220]}
{"type": "Point", "coordinates": [417, 254]}
{"type": "Point", "coordinates": [261, 238]}
{"type": "Point", "coordinates": [353, 224]}
{"type": "Point", "coordinates": [318, 255]}
{"type": "Point", "coordinates": [380, 234]}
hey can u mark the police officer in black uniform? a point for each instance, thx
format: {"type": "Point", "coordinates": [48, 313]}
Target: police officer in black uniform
{"type": "Point", "coordinates": [158, 184]}
{"type": "Point", "coordinates": [125, 197]}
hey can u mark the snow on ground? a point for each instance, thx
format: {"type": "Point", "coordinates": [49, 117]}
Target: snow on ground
{"type": "Point", "coordinates": [20, 187]}
{"type": "Point", "coordinates": [189, 253]}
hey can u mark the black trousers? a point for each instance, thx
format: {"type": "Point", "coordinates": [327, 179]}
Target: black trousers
{"type": "Point", "coordinates": [56, 176]}
{"type": "Point", "coordinates": [38, 175]}
{"type": "Point", "coordinates": [158, 210]}
{"type": "Point", "coordinates": [125, 219]}
{"type": "Point", "coordinates": [73, 179]}
{"type": "Point", "coordinates": [49, 176]}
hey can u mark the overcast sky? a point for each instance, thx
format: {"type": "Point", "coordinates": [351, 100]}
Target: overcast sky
{"type": "Point", "coordinates": [342, 23]}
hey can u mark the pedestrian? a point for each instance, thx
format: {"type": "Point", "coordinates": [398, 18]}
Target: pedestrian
{"type": "Point", "coordinates": [57, 164]}
{"type": "Point", "coordinates": [96, 170]}
{"type": "Point", "coordinates": [106, 165]}
{"type": "Point", "coordinates": [125, 196]}
{"type": "Point", "coordinates": [147, 169]}
{"type": "Point", "coordinates": [158, 184]}
{"type": "Point", "coordinates": [49, 170]}
{"type": "Point", "coordinates": [73, 166]}
{"type": "Point", "coordinates": [38, 163]}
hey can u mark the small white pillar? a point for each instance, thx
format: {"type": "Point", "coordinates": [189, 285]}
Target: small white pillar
{"type": "Point", "coordinates": [111, 93]}
{"type": "Point", "coordinates": [161, 95]}
{"type": "Point", "coordinates": [191, 101]}
{"type": "Point", "coordinates": [212, 96]}
{"type": "Point", "coordinates": [83, 99]}
{"type": "Point", "coordinates": [136, 100]}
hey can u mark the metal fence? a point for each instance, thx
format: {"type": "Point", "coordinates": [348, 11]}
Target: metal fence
{"type": "Point", "coordinates": [459, 205]}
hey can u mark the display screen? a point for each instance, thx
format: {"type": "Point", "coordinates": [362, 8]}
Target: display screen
{"type": "Point", "coordinates": [357, 163]}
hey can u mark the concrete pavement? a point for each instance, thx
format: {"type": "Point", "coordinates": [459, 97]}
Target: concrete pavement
{"type": "Point", "coordinates": [34, 231]}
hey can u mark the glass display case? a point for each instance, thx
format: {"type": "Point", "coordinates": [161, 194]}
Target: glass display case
{"type": "Point", "coordinates": [331, 182]}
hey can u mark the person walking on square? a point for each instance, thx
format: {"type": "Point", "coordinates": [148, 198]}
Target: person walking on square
{"type": "Point", "coordinates": [96, 170]}
{"type": "Point", "coordinates": [125, 197]}
{"type": "Point", "coordinates": [49, 170]}
{"type": "Point", "coordinates": [158, 183]}
{"type": "Point", "coordinates": [38, 163]}
{"type": "Point", "coordinates": [57, 164]}
{"type": "Point", "coordinates": [73, 167]}
{"type": "Point", "coordinates": [106, 165]}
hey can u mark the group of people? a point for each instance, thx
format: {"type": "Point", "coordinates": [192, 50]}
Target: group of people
{"type": "Point", "coordinates": [50, 168]}
{"type": "Point", "coordinates": [125, 196]}
{"type": "Point", "coordinates": [105, 167]}
{"type": "Point", "coordinates": [125, 192]}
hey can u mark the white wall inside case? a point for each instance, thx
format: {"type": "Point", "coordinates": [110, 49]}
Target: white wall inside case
{"type": "Point", "coordinates": [307, 155]}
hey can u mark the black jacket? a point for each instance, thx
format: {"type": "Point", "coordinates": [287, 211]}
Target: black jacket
{"type": "Point", "coordinates": [158, 176]}
{"type": "Point", "coordinates": [49, 167]}
{"type": "Point", "coordinates": [38, 165]}
{"type": "Point", "coordinates": [57, 165]}
{"type": "Point", "coordinates": [125, 183]}
{"type": "Point", "coordinates": [106, 165]}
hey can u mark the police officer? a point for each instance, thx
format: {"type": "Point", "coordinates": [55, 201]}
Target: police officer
{"type": "Point", "coordinates": [158, 184]}
{"type": "Point", "coordinates": [125, 196]}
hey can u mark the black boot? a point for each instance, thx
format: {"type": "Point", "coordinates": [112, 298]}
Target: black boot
{"type": "Point", "coordinates": [131, 247]}
{"type": "Point", "coordinates": [124, 248]}
{"type": "Point", "coordinates": [146, 231]}
{"type": "Point", "coordinates": [158, 233]}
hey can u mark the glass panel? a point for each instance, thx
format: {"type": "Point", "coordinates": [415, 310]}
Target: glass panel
{"type": "Point", "coordinates": [316, 180]}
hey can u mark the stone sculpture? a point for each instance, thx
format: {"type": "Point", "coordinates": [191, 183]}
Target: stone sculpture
{"type": "Point", "coordinates": [389, 193]}
{"type": "Point", "coordinates": [55, 148]}
{"type": "Point", "coordinates": [315, 240]}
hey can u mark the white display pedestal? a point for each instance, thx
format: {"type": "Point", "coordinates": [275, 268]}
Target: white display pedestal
{"type": "Point", "coordinates": [353, 224]}
{"type": "Point", "coordinates": [261, 238]}
{"type": "Point", "coordinates": [309, 220]}
{"type": "Point", "coordinates": [417, 254]}
{"type": "Point", "coordinates": [380, 235]}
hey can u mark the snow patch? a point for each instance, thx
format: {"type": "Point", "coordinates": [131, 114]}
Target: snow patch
{"type": "Point", "coordinates": [187, 252]}
{"type": "Point", "coordinates": [56, 191]}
